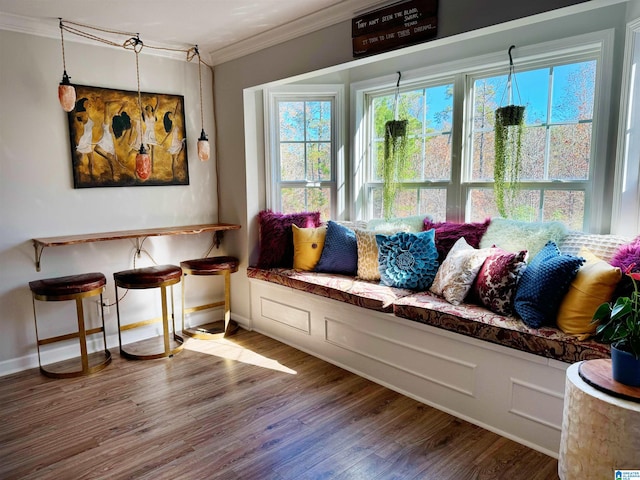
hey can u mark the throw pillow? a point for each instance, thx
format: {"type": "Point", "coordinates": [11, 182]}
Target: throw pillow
{"type": "Point", "coordinates": [496, 282]}
{"type": "Point", "coordinates": [543, 285]}
{"type": "Point", "coordinates": [276, 237]}
{"type": "Point", "coordinates": [602, 245]}
{"type": "Point", "coordinates": [368, 254]}
{"type": "Point", "coordinates": [407, 260]}
{"type": "Point", "coordinates": [514, 236]}
{"type": "Point", "coordinates": [340, 252]}
{"type": "Point", "coordinates": [458, 271]}
{"type": "Point", "coordinates": [308, 244]}
{"type": "Point", "coordinates": [593, 285]}
{"type": "Point", "coordinates": [627, 254]}
{"type": "Point", "coordinates": [400, 224]}
{"type": "Point", "coordinates": [448, 233]}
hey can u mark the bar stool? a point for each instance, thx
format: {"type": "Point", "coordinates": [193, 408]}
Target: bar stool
{"type": "Point", "coordinates": [210, 266]}
{"type": "Point", "coordinates": [72, 287]}
{"type": "Point", "coordinates": [158, 276]}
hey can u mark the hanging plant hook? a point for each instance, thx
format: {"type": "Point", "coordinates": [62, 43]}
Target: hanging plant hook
{"type": "Point", "coordinates": [510, 57]}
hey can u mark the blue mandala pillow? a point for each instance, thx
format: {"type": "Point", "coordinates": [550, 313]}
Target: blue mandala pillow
{"type": "Point", "coordinates": [340, 252]}
{"type": "Point", "coordinates": [543, 285]}
{"type": "Point", "coordinates": [407, 260]}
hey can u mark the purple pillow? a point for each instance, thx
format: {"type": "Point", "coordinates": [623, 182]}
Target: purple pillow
{"type": "Point", "coordinates": [276, 236]}
{"type": "Point", "coordinates": [448, 233]}
{"type": "Point", "coordinates": [627, 254]}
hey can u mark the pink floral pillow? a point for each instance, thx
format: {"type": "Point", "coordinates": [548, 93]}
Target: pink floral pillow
{"type": "Point", "coordinates": [496, 282]}
{"type": "Point", "coordinates": [276, 236]}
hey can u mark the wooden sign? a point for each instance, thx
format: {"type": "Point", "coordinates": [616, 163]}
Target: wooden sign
{"type": "Point", "coordinates": [398, 25]}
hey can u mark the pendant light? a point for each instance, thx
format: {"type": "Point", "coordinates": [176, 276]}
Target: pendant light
{"type": "Point", "coordinates": [66, 91]}
{"type": "Point", "coordinates": [203, 142]}
{"type": "Point", "coordinates": [143, 161]}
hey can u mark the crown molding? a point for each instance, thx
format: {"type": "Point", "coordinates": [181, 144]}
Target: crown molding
{"type": "Point", "coordinates": [49, 28]}
{"type": "Point", "coordinates": [340, 12]}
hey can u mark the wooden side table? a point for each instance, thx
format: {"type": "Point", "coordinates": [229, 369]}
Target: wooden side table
{"type": "Point", "coordinates": [600, 431]}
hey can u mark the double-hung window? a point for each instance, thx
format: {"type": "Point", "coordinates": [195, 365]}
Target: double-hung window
{"type": "Point", "coordinates": [304, 151]}
{"type": "Point", "coordinates": [556, 157]}
{"type": "Point", "coordinates": [425, 177]}
{"type": "Point", "coordinates": [450, 169]}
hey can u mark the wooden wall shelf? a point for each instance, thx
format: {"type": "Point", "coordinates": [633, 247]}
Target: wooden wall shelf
{"type": "Point", "coordinates": [138, 235]}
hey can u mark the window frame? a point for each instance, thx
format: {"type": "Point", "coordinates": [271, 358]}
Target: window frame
{"type": "Point", "coordinates": [333, 93]}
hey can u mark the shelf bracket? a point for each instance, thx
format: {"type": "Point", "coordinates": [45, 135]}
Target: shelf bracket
{"type": "Point", "coordinates": [39, 248]}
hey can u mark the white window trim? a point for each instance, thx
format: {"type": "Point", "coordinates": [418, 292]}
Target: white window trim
{"type": "Point", "coordinates": [626, 206]}
{"type": "Point", "coordinates": [336, 92]}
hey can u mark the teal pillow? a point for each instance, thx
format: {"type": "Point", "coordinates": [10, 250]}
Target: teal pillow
{"type": "Point", "coordinates": [543, 285]}
{"type": "Point", "coordinates": [407, 260]}
{"type": "Point", "coordinates": [340, 252]}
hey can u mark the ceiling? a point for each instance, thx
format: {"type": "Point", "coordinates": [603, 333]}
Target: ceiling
{"type": "Point", "coordinates": [223, 29]}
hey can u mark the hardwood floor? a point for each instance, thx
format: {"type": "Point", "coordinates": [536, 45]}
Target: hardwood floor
{"type": "Point", "coordinates": [247, 407]}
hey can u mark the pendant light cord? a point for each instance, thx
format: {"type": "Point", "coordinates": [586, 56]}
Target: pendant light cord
{"type": "Point", "coordinates": [200, 82]}
{"type": "Point", "coordinates": [137, 47]}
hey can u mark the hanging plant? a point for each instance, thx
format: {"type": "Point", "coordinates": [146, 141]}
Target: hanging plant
{"type": "Point", "coordinates": [396, 153]}
{"type": "Point", "coordinates": [509, 127]}
{"type": "Point", "coordinates": [395, 158]}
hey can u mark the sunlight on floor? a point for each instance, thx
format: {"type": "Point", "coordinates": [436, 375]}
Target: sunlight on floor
{"type": "Point", "coordinates": [224, 348]}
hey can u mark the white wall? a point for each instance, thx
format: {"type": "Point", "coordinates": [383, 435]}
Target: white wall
{"type": "Point", "coordinates": [37, 198]}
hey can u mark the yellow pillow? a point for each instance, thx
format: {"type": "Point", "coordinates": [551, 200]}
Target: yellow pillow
{"type": "Point", "coordinates": [593, 285]}
{"type": "Point", "coordinates": [307, 246]}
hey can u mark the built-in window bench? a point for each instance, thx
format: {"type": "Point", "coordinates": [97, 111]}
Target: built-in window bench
{"type": "Point", "coordinates": [491, 370]}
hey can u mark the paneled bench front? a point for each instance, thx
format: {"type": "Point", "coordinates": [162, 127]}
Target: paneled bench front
{"type": "Point", "coordinates": [487, 369]}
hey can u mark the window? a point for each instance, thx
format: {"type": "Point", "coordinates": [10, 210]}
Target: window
{"type": "Point", "coordinates": [429, 111]}
{"type": "Point", "coordinates": [303, 135]}
{"type": "Point", "coordinates": [451, 136]}
{"type": "Point", "coordinates": [556, 141]}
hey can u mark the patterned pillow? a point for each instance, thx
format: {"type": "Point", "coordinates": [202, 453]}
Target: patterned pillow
{"type": "Point", "coordinates": [308, 244]}
{"type": "Point", "coordinates": [407, 260]}
{"type": "Point", "coordinates": [340, 253]}
{"type": "Point", "coordinates": [368, 254]}
{"type": "Point", "coordinates": [514, 236]}
{"type": "Point", "coordinates": [448, 233]}
{"type": "Point", "coordinates": [604, 246]}
{"type": "Point", "coordinates": [276, 237]}
{"type": "Point", "coordinates": [496, 283]}
{"type": "Point", "coordinates": [593, 285]}
{"type": "Point", "coordinates": [458, 271]}
{"type": "Point", "coordinates": [544, 284]}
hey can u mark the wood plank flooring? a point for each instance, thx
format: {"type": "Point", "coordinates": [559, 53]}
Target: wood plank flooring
{"type": "Point", "coordinates": [246, 407]}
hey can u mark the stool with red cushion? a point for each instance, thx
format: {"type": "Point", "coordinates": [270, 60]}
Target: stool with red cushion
{"type": "Point", "coordinates": [221, 265]}
{"type": "Point", "coordinates": [158, 276]}
{"type": "Point", "coordinates": [72, 287]}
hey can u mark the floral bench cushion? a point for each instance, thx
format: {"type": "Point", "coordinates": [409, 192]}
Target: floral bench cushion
{"type": "Point", "coordinates": [346, 289]}
{"type": "Point", "coordinates": [425, 307]}
{"type": "Point", "coordinates": [478, 322]}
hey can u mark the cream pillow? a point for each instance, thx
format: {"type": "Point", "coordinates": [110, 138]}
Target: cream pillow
{"type": "Point", "coordinates": [458, 271]}
{"type": "Point", "coordinates": [307, 246]}
{"type": "Point", "coordinates": [593, 285]}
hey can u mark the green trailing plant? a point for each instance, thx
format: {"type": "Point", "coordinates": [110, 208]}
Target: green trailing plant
{"type": "Point", "coordinates": [395, 159]}
{"type": "Point", "coordinates": [509, 127]}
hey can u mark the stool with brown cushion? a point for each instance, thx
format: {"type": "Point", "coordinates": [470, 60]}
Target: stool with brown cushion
{"type": "Point", "coordinates": [72, 287]}
{"type": "Point", "coordinates": [158, 276]}
{"type": "Point", "coordinates": [222, 265]}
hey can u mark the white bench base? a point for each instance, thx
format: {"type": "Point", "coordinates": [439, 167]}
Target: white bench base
{"type": "Point", "coordinates": [512, 393]}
